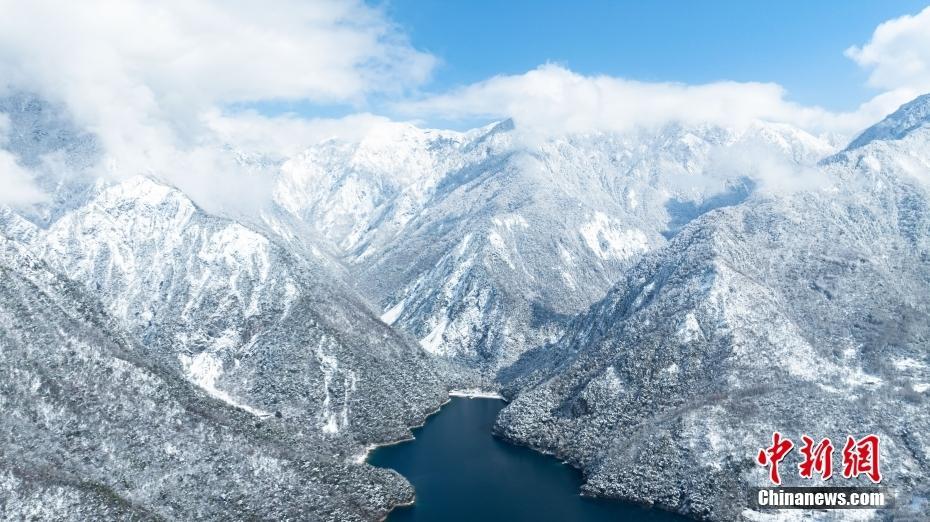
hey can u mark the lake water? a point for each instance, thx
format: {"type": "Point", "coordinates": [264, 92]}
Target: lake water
{"type": "Point", "coordinates": [461, 472]}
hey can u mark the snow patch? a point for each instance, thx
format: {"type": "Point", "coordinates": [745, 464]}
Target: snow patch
{"type": "Point", "coordinates": [433, 341]}
{"type": "Point", "coordinates": [511, 222]}
{"type": "Point", "coordinates": [566, 256]}
{"type": "Point", "coordinates": [690, 330]}
{"type": "Point", "coordinates": [907, 363]}
{"type": "Point", "coordinates": [475, 393]}
{"type": "Point", "coordinates": [203, 370]}
{"type": "Point", "coordinates": [331, 420]}
{"type": "Point", "coordinates": [608, 241]}
{"type": "Point", "coordinates": [614, 383]}
{"type": "Point", "coordinates": [857, 377]}
{"type": "Point", "coordinates": [631, 200]}
{"type": "Point", "coordinates": [463, 245]}
{"type": "Point", "coordinates": [501, 247]}
{"type": "Point", "coordinates": [390, 315]}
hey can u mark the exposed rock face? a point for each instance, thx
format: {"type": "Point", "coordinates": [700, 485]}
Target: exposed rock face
{"type": "Point", "coordinates": [804, 314]}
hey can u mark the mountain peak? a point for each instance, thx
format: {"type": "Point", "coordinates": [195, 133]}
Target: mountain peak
{"type": "Point", "coordinates": [910, 116]}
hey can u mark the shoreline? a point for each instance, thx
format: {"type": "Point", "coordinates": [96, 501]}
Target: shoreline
{"type": "Point", "coordinates": [395, 506]}
{"type": "Point", "coordinates": [363, 456]}
{"type": "Point", "coordinates": [471, 393]}
{"type": "Point", "coordinates": [475, 393]}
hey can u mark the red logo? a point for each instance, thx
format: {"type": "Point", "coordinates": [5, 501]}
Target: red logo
{"type": "Point", "coordinates": [819, 459]}
{"type": "Point", "coordinates": [860, 457]}
{"type": "Point", "coordinates": [772, 455]}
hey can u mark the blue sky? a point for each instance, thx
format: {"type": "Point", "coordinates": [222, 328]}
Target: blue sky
{"type": "Point", "coordinates": [797, 44]}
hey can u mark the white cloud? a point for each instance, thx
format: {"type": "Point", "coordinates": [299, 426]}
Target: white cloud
{"type": "Point", "coordinates": [144, 76]}
{"type": "Point", "coordinates": [898, 54]}
{"type": "Point", "coordinates": [552, 100]}
{"type": "Point", "coordinates": [18, 188]}
{"type": "Point", "coordinates": [287, 135]}
{"type": "Point", "coordinates": [16, 183]}
{"type": "Point", "coordinates": [177, 54]}
{"type": "Point", "coordinates": [767, 167]}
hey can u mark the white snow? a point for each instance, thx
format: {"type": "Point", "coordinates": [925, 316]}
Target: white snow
{"type": "Point", "coordinates": [433, 341]}
{"type": "Point", "coordinates": [475, 393]}
{"type": "Point", "coordinates": [609, 241]}
{"type": "Point", "coordinates": [690, 330]}
{"type": "Point", "coordinates": [463, 245]}
{"type": "Point", "coordinates": [612, 380]}
{"type": "Point", "coordinates": [511, 221]}
{"type": "Point", "coordinates": [203, 370]}
{"type": "Point", "coordinates": [501, 247]}
{"type": "Point", "coordinates": [507, 225]}
{"type": "Point", "coordinates": [391, 314]}
{"type": "Point", "coordinates": [907, 363]}
{"type": "Point", "coordinates": [857, 377]}
{"type": "Point", "coordinates": [566, 256]}
{"type": "Point", "coordinates": [631, 200]}
{"type": "Point", "coordinates": [331, 420]}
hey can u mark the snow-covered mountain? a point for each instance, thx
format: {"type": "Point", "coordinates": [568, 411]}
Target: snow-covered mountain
{"type": "Point", "coordinates": [482, 244]}
{"type": "Point", "coordinates": [909, 117]}
{"type": "Point", "coordinates": [239, 315]}
{"type": "Point", "coordinates": [804, 314]}
{"type": "Point", "coordinates": [95, 428]}
{"type": "Point", "coordinates": [655, 303]}
{"type": "Point", "coordinates": [258, 325]}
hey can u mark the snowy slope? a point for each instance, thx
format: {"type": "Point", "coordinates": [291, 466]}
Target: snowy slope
{"type": "Point", "coordinates": [481, 244]}
{"type": "Point", "coordinates": [94, 428]}
{"type": "Point", "coordinates": [804, 314]}
{"type": "Point", "coordinates": [261, 323]}
{"type": "Point", "coordinates": [237, 314]}
{"type": "Point", "coordinates": [909, 117]}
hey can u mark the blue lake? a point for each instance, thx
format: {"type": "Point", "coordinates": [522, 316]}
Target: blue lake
{"type": "Point", "coordinates": [462, 473]}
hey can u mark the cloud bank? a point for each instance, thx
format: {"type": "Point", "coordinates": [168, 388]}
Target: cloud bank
{"type": "Point", "coordinates": [146, 76]}
{"type": "Point", "coordinates": [19, 188]}
{"type": "Point", "coordinates": [554, 99]}
{"type": "Point", "coordinates": [287, 135]}
{"type": "Point", "coordinates": [551, 100]}
{"type": "Point", "coordinates": [154, 82]}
